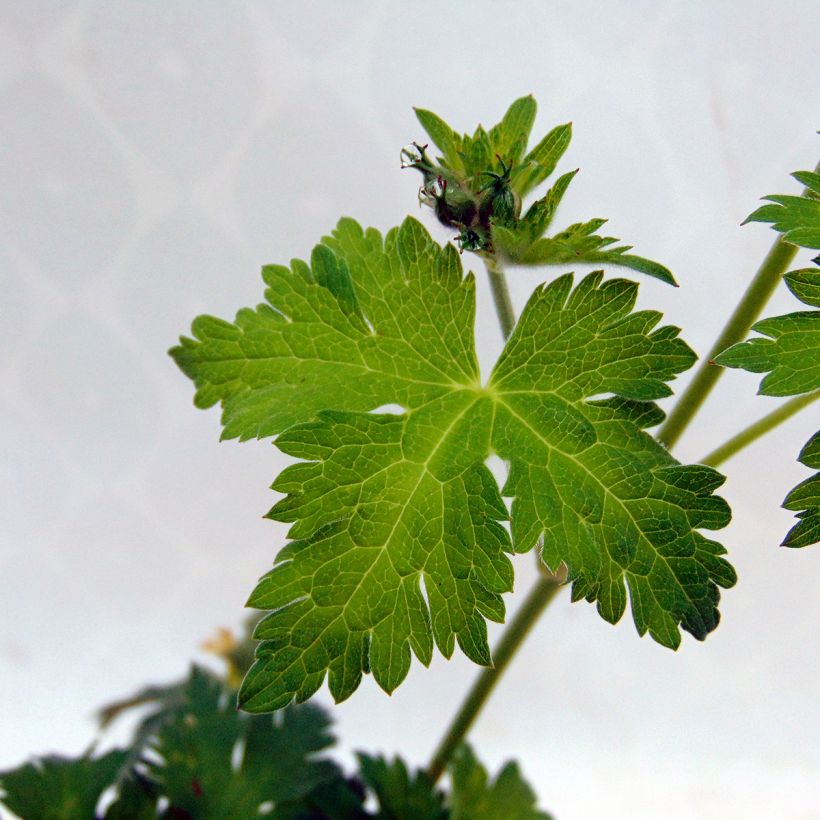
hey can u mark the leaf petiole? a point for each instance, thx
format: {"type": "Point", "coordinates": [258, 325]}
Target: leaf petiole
{"type": "Point", "coordinates": [536, 602]}
{"type": "Point", "coordinates": [736, 329]}
{"type": "Point", "coordinates": [513, 636]}
{"type": "Point", "coordinates": [751, 305]}
{"type": "Point", "coordinates": [501, 294]}
{"type": "Point", "coordinates": [755, 431]}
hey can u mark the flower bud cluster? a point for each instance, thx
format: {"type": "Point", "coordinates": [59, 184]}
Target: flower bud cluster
{"type": "Point", "coordinates": [464, 203]}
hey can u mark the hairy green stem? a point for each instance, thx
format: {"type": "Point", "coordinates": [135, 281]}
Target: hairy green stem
{"type": "Point", "coordinates": [513, 636]}
{"type": "Point", "coordinates": [754, 431]}
{"type": "Point", "coordinates": [501, 294]}
{"type": "Point", "coordinates": [740, 322]}
{"type": "Point", "coordinates": [748, 309]}
{"type": "Point", "coordinates": [536, 602]}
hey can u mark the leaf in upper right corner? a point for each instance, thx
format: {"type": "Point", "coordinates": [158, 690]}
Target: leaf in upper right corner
{"type": "Point", "coordinates": [475, 797]}
{"type": "Point", "coordinates": [788, 351]}
{"type": "Point", "coordinates": [796, 217]}
{"type": "Point", "coordinates": [788, 348]}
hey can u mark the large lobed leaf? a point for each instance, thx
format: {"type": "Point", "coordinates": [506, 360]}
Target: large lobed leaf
{"type": "Point", "coordinates": [397, 529]}
{"type": "Point", "coordinates": [788, 348]}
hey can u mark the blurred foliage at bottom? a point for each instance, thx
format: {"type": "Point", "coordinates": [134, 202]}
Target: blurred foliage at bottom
{"type": "Point", "coordinates": [194, 755]}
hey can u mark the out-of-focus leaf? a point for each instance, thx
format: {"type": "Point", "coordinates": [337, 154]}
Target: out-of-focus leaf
{"type": "Point", "coordinates": [476, 797]}
{"type": "Point", "coordinates": [59, 788]}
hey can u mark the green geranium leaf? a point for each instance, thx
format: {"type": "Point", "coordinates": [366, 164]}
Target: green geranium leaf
{"type": "Point", "coordinates": [217, 762]}
{"type": "Point", "coordinates": [398, 541]}
{"type": "Point", "coordinates": [788, 354]}
{"type": "Point", "coordinates": [401, 794]}
{"type": "Point", "coordinates": [788, 348]}
{"type": "Point", "coordinates": [57, 788]}
{"type": "Point", "coordinates": [796, 217]}
{"type": "Point", "coordinates": [474, 797]}
{"type": "Point", "coordinates": [804, 499]}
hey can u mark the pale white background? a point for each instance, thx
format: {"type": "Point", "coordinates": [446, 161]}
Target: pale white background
{"type": "Point", "coordinates": [154, 154]}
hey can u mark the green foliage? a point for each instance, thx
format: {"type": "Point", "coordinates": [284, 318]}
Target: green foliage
{"type": "Point", "coordinates": [797, 218]}
{"type": "Point", "coordinates": [474, 797]}
{"type": "Point", "coordinates": [136, 795]}
{"type": "Point", "coordinates": [384, 503]}
{"type": "Point", "coordinates": [200, 772]}
{"type": "Point", "coordinates": [788, 349]}
{"type": "Point", "coordinates": [208, 761]}
{"type": "Point", "coordinates": [401, 794]}
{"type": "Point", "coordinates": [58, 788]}
{"type": "Point", "coordinates": [488, 215]}
{"type": "Point", "coordinates": [804, 499]}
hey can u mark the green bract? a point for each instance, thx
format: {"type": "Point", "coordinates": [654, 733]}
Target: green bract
{"type": "Point", "coordinates": [488, 215]}
{"type": "Point", "coordinates": [397, 529]}
{"type": "Point", "coordinates": [788, 350]}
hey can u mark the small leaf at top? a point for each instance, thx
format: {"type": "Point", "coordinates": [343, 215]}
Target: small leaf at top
{"type": "Point", "coordinates": [442, 135]}
{"type": "Point", "coordinates": [477, 188]}
{"type": "Point", "coordinates": [514, 129]}
{"type": "Point", "coordinates": [541, 161]}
